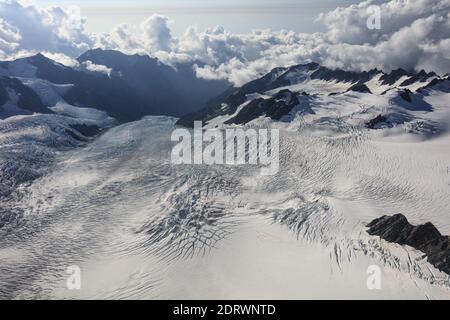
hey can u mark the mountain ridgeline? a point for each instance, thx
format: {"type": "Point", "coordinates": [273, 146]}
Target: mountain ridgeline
{"type": "Point", "coordinates": [425, 238]}
{"type": "Point", "coordinates": [135, 87]}
{"type": "Point", "coordinates": [24, 98]}
{"type": "Point", "coordinates": [303, 84]}
{"type": "Point", "coordinates": [129, 87]}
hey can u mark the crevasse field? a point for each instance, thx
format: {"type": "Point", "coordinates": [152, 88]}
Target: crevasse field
{"type": "Point", "coordinates": [140, 227]}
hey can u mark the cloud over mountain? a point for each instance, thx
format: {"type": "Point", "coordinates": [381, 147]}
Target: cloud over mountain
{"type": "Point", "coordinates": [414, 34]}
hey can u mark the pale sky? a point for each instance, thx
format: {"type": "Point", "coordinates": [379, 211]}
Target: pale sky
{"type": "Point", "coordinates": [238, 16]}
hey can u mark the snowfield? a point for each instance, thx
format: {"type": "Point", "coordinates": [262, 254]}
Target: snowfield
{"type": "Point", "coordinates": [139, 227]}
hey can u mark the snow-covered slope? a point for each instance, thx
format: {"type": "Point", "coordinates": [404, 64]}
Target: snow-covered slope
{"type": "Point", "coordinates": [17, 98]}
{"type": "Point", "coordinates": [32, 136]}
{"type": "Point", "coordinates": [318, 90]}
{"type": "Point", "coordinates": [140, 227]}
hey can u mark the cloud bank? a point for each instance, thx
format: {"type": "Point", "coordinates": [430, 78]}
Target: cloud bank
{"type": "Point", "coordinates": [414, 34]}
{"type": "Point", "coordinates": [27, 27]}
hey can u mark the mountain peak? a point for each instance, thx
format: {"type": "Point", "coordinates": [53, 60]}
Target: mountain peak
{"type": "Point", "coordinates": [394, 76]}
{"type": "Point", "coordinates": [39, 57]}
{"type": "Point", "coordinates": [107, 56]}
{"type": "Point", "coordinates": [257, 97]}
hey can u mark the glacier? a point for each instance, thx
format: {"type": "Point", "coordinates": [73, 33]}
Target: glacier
{"type": "Point", "coordinates": [139, 227]}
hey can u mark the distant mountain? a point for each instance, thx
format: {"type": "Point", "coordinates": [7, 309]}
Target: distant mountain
{"type": "Point", "coordinates": [310, 87]}
{"type": "Point", "coordinates": [136, 86]}
{"type": "Point", "coordinates": [16, 98]}
{"type": "Point", "coordinates": [168, 91]}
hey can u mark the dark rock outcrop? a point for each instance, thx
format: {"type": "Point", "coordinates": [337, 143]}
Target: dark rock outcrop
{"type": "Point", "coordinates": [229, 101]}
{"type": "Point", "coordinates": [440, 83]}
{"type": "Point", "coordinates": [377, 122]}
{"type": "Point", "coordinates": [28, 100]}
{"type": "Point", "coordinates": [406, 95]}
{"type": "Point", "coordinates": [359, 87]}
{"type": "Point", "coordinates": [394, 76]}
{"type": "Point", "coordinates": [339, 75]}
{"type": "Point", "coordinates": [275, 108]}
{"type": "Point", "coordinates": [422, 76]}
{"type": "Point", "coordinates": [425, 238]}
{"type": "Point", "coordinates": [82, 131]}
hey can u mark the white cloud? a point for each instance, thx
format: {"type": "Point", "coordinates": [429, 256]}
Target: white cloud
{"type": "Point", "coordinates": [156, 34]}
{"type": "Point", "coordinates": [121, 38]}
{"type": "Point", "coordinates": [27, 27]}
{"type": "Point", "coordinates": [97, 68]}
{"type": "Point", "coordinates": [414, 34]}
{"type": "Point", "coordinates": [153, 37]}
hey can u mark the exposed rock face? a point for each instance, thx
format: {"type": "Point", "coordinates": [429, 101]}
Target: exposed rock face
{"type": "Point", "coordinates": [83, 132]}
{"type": "Point", "coordinates": [228, 102]}
{"type": "Point", "coordinates": [445, 81]}
{"type": "Point", "coordinates": [394, 76]}
{"type": "Point", "coordinates": [422, 76]}
{"type": "Point", "coordinates": [406, 95]}
{"type": "Point", "coordinates": [425, 238]}
{"type": "Point", "coordinates": [378, 122]}
{"type": "Point", "coordinates": [275, 108]}
{"type": "Point", "coordinates": [27, 99]}
{"type": "Point", "coordinates": [359, 87]}
{"type": "Point", "coordinates": [326, 74]}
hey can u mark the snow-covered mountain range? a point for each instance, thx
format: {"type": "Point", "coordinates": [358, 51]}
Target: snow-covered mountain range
{"type": "Point", "coordinates": [127, 87]}
{"type": "Point", "coordinates": [86, 179]}
{"type": "Point", "coordinates": [313, 91]}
